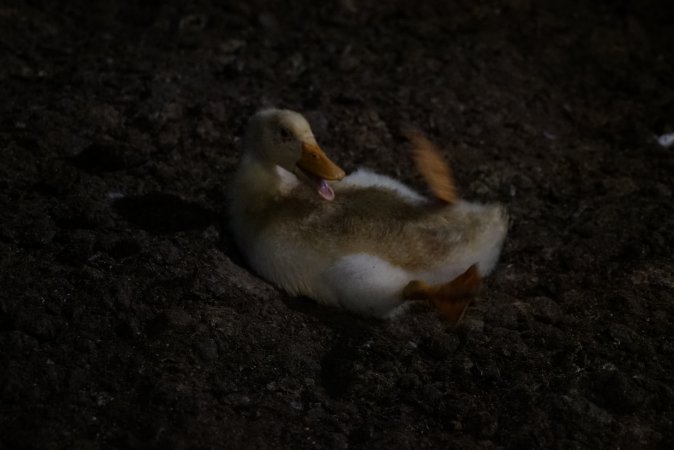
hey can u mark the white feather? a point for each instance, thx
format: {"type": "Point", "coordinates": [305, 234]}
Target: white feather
{"type": "Point", "coordinates": [367, 178]}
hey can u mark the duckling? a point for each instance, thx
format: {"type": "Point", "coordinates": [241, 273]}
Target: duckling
{"type": "Point", "coordinates": [364, 242]}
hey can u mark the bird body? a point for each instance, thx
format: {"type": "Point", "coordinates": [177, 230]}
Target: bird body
{"type": "Point", "coordinates": [361, 241]}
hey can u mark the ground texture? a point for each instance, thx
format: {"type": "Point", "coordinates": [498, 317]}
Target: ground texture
{"type": "Point", "coordinates": [127, 318]}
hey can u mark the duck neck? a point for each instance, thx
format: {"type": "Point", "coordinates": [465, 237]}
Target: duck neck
{"type": "Point", "coordinates": [257, 180]}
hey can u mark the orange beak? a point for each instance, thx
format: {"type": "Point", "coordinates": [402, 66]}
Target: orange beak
{"type": "Point", "coordinates": [317, 163]}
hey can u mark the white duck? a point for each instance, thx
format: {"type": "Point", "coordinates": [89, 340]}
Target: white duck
{"type": "Point", "coordinates": [367, 243]}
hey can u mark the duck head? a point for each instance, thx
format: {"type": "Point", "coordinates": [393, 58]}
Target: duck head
{"type": "Point", "coordinates": [284, 138]}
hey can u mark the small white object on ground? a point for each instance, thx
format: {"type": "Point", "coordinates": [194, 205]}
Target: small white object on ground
{"type": "Point", "coordinates": [666, 140]}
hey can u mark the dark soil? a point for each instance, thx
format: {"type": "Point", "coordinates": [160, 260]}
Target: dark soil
{"type": "Point", "coordinates": [127, 318]}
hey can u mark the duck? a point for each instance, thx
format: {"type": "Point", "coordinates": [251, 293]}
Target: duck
{"type": "Point", "coordinates": [364, 242]}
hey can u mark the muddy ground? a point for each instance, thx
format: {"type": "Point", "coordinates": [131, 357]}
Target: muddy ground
{"type": "Point", "coordinates": [128, 319]}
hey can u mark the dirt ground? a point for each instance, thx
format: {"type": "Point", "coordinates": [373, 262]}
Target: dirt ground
{"type": "Point", "coordinates": [128, 319]}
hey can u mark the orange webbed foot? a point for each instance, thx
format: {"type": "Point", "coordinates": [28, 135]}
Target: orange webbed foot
{"type": "Point", "coordinates": [450, 299]}
{"type": "Point", "coordinates": [433, 167]}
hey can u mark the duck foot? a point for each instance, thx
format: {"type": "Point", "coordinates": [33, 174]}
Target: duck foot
{"type": "Point", "coordinates": [433, 167]}
{"type": "Point", "coordinates": [450, 299]}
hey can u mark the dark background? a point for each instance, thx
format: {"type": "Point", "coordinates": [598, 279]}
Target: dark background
{"type": "Point", "coordinates": [127, 319]}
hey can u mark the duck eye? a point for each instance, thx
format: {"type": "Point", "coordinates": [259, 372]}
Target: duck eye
{"type": "Point", "coordinates": [285, 134]}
